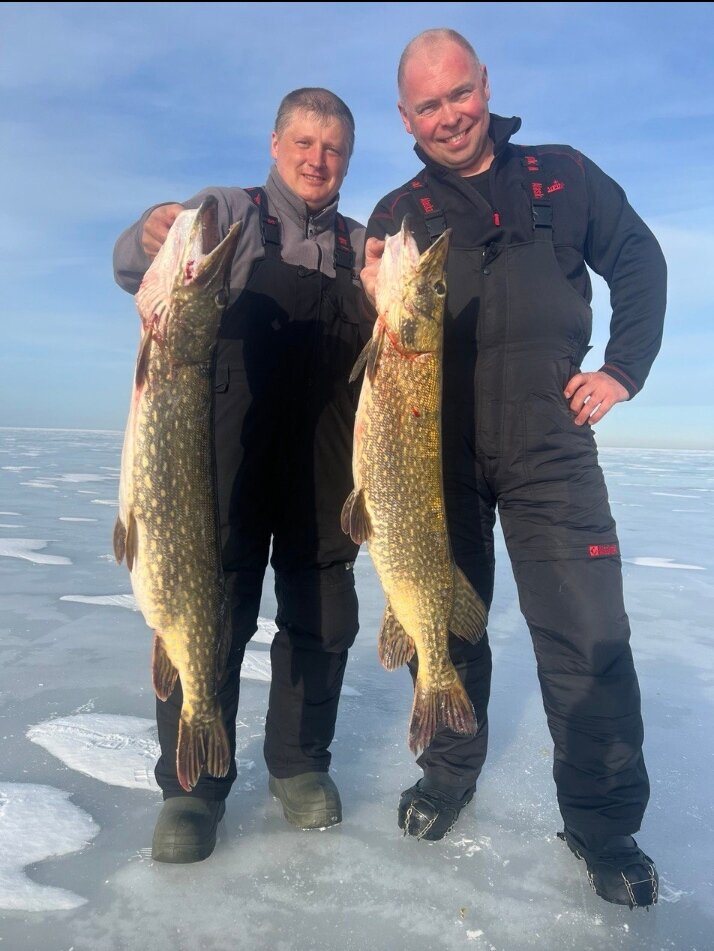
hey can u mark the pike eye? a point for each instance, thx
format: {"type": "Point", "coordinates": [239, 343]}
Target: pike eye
{"type": "Point", "coordinates": [221, 298]}
{"type": "Point", "coordinates": [440, 288]}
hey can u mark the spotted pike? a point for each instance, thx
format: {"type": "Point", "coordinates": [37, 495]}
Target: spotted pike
{"type": "Point", "coordinates": [167, 527]}
{"type": "Point", "coordinates": [397, 505]}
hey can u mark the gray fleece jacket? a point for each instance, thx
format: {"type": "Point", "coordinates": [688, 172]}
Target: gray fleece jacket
{"type": "Point", "coordinates": [307, 239]}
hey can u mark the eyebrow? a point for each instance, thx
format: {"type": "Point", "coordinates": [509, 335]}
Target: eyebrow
{"type": "Point", "coordinates": [451, 94]}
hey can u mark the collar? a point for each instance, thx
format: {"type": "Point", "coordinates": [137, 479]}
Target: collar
{"type": "Point", "coordinates": [286, 204]}
{"type": "Point", "coordinates": [500, 131]}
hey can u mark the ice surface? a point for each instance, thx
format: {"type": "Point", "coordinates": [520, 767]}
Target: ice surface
{"type": "Point", "coordinates": [78, 799]}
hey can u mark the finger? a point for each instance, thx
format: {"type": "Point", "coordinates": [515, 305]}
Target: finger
{"type": "Point", "coordinates": [373, 250]}
{"type": "Point", "coordinates": [574, 383]}
{"type": "Point", "coordinates": [580, 399]}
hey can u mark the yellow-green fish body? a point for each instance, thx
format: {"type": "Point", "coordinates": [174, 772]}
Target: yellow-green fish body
{"type": "Point", "coordinates": [397, 505]}
{"type": "Point", "coordinates": [167, 526]}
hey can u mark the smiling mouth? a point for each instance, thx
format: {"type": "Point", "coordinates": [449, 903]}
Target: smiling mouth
{"type": "Point", "coordinates": [456, 138]}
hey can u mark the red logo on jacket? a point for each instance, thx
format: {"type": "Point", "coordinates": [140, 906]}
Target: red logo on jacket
{"type": "Point", "coordinates": [600, 551]}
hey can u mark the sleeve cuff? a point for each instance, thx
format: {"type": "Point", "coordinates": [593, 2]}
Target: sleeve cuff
{"type": "Point", "coordinates": [617, 374]}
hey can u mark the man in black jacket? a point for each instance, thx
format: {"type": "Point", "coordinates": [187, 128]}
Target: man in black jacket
{"type": "Point", "coordinates": [517, 436]}
{"type": "Point", "coordinates": [284, 415]}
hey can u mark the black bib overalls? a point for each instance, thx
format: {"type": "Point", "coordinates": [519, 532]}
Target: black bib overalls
{"type": "Point", "coordinates": [284, 419]}
{"type": "Point", "coordinates": [516, 333]}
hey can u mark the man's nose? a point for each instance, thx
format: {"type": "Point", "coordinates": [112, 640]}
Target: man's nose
{"type": "Point", "coordinates": [449, 115]}
{"type": "Point", "coordinates": [315, 156]}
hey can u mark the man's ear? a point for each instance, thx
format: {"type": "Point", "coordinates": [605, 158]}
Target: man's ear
{"type": "Point", "coordinates": [405, 117]}
{"type": "Point", "coordinates": [486, 86]}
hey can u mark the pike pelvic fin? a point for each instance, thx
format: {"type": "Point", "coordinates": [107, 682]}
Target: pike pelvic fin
{"type": "Point", "coordinates": [469, 613]}
{"type": "Point", "coordinates": [163, 672]}
{"type": "Point", "coordinates": [434, 708]}
{"type": "Point", "coordinates": [394, 647]}
{"type": "Point", "coordinates": [131, 541]}
{"type": "Point", "coordinates": [201, 744]}
{"type": "Point", "coordinates": [119, 540]}
{"type": "Point", "coordinates": [355, 519]}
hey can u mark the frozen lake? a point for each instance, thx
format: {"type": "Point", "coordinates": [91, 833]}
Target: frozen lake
{"type": "Point", "coordinates": [78, 800]}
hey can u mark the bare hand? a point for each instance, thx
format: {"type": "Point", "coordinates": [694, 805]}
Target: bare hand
{"type": "Point", "coordinates": [373, 250]}
{"type": "Point", "coordinates": [157, 226]}
{"type": "Point", "coordinates": [592, 396]}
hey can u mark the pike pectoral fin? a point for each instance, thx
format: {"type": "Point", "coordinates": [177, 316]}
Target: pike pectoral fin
{"type": "Point", "coordinates": [360, 362]}
{"type": "Point", "coordinates": [205, 744]}
{"type": "Point", "coordinates": [163, 672]}
{"type": "Point", "coordinates": [369, 356]}
{"type": "Point", "coordinates": [432, 708]}
{"type": "Point", "coordinates": [373, 355]}
{"type": "Point", "coordinates": [119, 540]}
{"type": "Point", "coordinates": [469, 614]}
{"type": "Point", "coordinates": [355, 518]}
{"type": "Point", "coordinates": [394, 647]}
{"type": "Point", "coordinates": [142, 360]}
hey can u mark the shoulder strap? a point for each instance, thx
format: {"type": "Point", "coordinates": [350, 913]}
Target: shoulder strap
{"type": "Point", "coordinates": [434, 218]}
{"type": "Point", "coordinates": [269, 224]}
{"type": "Point", "coordinates": [541, 207]}
{"type": "Point", "coordinates": [344, 252]}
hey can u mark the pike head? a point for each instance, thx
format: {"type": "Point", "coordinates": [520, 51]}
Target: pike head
{"type": "Point", "coordinates": [411, 291]}
{"type": "Point", "coordinates": [185, 290]}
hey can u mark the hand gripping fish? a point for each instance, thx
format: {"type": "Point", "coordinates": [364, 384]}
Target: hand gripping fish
{"type": "Point", "coordinates": [167, 527]}
{"type": "Point", "coordinates": [397, 505]}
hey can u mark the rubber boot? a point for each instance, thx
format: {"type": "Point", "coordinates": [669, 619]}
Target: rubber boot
{"type": "Point", "coordinates": [618, 870]}
{"type": "Point", "coordinates": [186, 829]}
{"type": "Point", "coordinates": [309, 801]}
{"type": "Point", "coordinates": [428, 811]}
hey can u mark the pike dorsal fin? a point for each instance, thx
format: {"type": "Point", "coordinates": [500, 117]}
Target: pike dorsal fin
{"type": "Point", "coordinates": [163, 672]}
{"type": "Point", "coordinates": [469, 613]}
{"type": "Point", "coordinates": [394, 647]}
{"type": "Point", "coordinates": [355, 518]}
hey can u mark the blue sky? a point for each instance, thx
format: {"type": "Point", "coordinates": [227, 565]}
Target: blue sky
{"type": "Point", "coordinates": [106, 108]}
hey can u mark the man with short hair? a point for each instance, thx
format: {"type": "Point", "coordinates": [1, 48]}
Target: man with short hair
{"type": "Point", "coordinates": [284, 415]}
{"type": "Point", "coordinates": [517, 437]}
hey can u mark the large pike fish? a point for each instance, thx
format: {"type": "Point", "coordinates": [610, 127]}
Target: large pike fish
{"type": "Point", "coordinates": [397, 505]}
{"type": "Point", "coordinates": [167, 527]}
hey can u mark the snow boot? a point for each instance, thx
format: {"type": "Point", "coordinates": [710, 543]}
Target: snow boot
{"type": "Point", "coordinates": [309, 800]}
{"type": "Point", "coordinates": [429, 811]}
{"type": "Point", "coordinates": [186, 829]}
{"type": "Point", "coordinates": [618, 870]}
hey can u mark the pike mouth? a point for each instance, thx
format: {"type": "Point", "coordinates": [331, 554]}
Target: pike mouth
{"type": "Point", "coordinates": [206, 254]}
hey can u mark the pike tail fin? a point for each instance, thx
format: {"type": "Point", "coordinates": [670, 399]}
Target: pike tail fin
{"type": "Point", "coordinates": [433, 708]}
{"type": "Point", "coordinates": [201, 744]}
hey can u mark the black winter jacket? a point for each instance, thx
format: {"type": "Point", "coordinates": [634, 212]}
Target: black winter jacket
{"type": "Point", "coordinates": [593, 224]}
